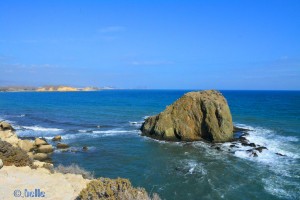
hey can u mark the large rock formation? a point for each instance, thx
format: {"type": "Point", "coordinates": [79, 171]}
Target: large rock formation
{"type": "Point", "coordinates": [203, 115]}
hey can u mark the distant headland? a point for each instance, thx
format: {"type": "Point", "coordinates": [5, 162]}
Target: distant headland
{"type": "Point", "coordinates": [51, 88]}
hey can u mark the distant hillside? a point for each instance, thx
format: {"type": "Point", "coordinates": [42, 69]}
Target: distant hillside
{"type": "Point", "coordinates": [49, 88]}
{"type": "Point", "coordinates": [16, 89]}
{"type": "Point", "coordinates": [57, 89]}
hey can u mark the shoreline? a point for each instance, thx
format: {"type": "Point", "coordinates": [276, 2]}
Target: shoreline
{"type": "Point", "coordinates": [36, 178]}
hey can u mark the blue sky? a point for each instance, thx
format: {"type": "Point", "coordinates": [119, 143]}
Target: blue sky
{"type": "Point", "coordinates": [252, 44]}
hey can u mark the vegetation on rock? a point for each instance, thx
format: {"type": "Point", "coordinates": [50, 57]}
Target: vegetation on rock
{"type": "Point", "coordinates": [113, 189]}
{"type": "Point", "coordinates": [11, 155]}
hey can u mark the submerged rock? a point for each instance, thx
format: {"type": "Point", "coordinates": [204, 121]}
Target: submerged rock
{"type": "Point", "coordinates": [85, 148]}
{"type": "Point", "coordinates": [260, 149]}
{"type": "Point", "coordinates": [62, 146]}
{"type": "Point", "coordinates": [195, 116]}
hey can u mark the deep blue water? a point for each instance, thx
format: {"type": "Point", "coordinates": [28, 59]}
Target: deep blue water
{"type": "Point", "coordinates": [108, 122]}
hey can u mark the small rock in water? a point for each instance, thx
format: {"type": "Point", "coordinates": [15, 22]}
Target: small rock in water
{"type": "Point", "coordinates": [245, 143]}
{"type": "Point", "coordinates": [62, 146]}
{"type": "Point", "coordinates": [236, 129]}
{"type": "Point", "coordinates": [280, 154]}
{"type": "Point", "coordinates": [254, 154]}
{"type": "Point", "coordinates": [242, 138]}
{"type": "Point", "coordinates": [252, 145]}
{"type": "Point", "coordinates": [85, 148]}
{"type": "Point", "coordinates": [232, 145]}
{"type": "Point", "coordinates": [218, 148]}
{"type": "Point", "coordinates": [260, 149]}
{"type": "Point", "coordinates": [57, 138]}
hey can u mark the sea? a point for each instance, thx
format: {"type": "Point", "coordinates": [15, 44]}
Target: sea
{"type": "Point", "coordinates": [108, 123]}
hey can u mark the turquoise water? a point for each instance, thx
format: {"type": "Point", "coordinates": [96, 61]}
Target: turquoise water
{"type": "Point", "coordinates": [108, 123]}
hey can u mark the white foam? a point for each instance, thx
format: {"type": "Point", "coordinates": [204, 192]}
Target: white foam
{"type": "Point", "coordinates": [110, 131]}
{"type": "Point", "coordinates": [192, 164]}
{"type": "Point", "coordinates": [194, 167]}
{"type": "Point", "coordinates": [276, 186]}
{"type": "Point", "coordinates": [274, 142]}
{"type": "Point", "coordinates": [136, 124]}
{"type": "Point", "coordinates": [97, 134]}
{"type": "Point", "coordinates": [42, 129]}
{"type": "Point", "coordinates": [281, 166]}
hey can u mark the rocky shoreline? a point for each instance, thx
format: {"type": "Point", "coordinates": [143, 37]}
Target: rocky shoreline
{"type": "Point", "coordinates": [23, 159]}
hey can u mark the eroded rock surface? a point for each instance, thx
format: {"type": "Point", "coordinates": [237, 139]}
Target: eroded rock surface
{"type": "Point", "coordinates": [202, 115]}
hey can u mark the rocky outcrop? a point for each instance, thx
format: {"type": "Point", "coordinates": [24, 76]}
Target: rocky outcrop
{"type": "Point", "coordinates": [39, 146]}
{"type": "Point", "coordinates": [4, 126]}
{"type": "Point", "coordinates": [19, 171]}
{"type": "Point", "coordinates": [202, 115]}
{"type": "Point", "coordinates": [40, 141]}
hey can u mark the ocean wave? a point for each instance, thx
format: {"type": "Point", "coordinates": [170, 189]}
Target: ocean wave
{"type": "Point", "coordinates": [96, 134]}
{"type": "Point", "coordinates": [42, 129]}
{"type": "Point", "coordinates": [115, 132]}
{"type": "Point", "coordinates": [271, 140]}
{"type": "Point", "coordinates": [275, 143]}
{"type": "Point", "coordinates": [36, 131]}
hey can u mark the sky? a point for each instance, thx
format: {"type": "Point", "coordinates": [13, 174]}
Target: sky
{"type": "Point", "coordinates": [241, 45]}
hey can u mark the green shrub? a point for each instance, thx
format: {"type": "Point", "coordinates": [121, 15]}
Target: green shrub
{"type": "Point", "coordinates": [11, 155]}
{"type": "Point", "coordinates": [113, 189]}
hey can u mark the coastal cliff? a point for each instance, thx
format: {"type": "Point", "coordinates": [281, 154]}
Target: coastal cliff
{"type": "Point", "coordinates": [203, 115]}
